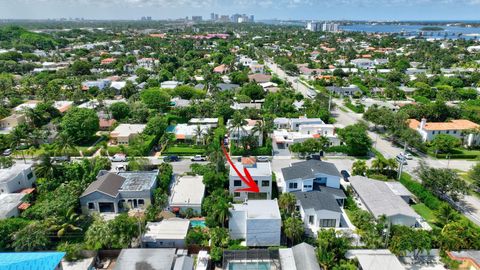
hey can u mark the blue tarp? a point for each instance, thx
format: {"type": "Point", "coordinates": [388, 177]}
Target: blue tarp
{"type": "Point", "coordinates": [30, 260]}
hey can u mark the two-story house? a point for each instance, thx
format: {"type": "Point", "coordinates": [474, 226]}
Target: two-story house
{"type": "Point", "coordinates": [320, 208]}
{"type": "Point", "coordinates": [19, 176]}
{"type": "Point", "coordinates": [261, 173]}
{"type": "Point", "coordinates": [236, 134]}
{"type": "Point", "coordinates": [114, 193]}
{"type": "Point", "coordinates": [309, 175]}
{"type": "Point", "coordinates": [461, 129]}
{"type": "Point", "coordinates": [257, 221]}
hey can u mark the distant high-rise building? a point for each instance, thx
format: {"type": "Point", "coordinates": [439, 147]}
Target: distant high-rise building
{"type": "Point", "coordinates": [197, 18]}
{"type": "Point", "coordinates": [252, 18]}
{"type": "Point", "coordinates": [216, 17]}
{"type": "Point", "coordinates": [330, 27]}
{"type": "Point", "coordinates": [313, 26]}
{"type": "Point", "coordinates": [224, 18]}
{"type": "Point", "coordinates": [235, 17]}
{"type": "Point", "coordinates": [212, 16]}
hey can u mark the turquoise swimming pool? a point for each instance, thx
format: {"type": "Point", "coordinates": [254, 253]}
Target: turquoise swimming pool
{"type": "Point", "coordinates": [249, 266]}
{"type": "Point", "coordinates": [198, 223]}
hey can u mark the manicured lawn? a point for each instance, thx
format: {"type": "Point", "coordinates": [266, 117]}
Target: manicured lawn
{"type": "Point", "coordinates": [425, 212]}
{"type": "Point", "coordinates": [183, 150]}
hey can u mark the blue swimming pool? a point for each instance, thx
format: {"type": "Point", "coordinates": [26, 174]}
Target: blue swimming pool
{"type": "Point", "coordinates": [249, 266]}
{"type": "Point", "coordinates": [198, 223]}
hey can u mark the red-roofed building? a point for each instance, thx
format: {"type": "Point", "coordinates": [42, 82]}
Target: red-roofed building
{"type": "Point", "coordinates": [461, 129]}
{"type": "Point", "coordinates": [107, 61]}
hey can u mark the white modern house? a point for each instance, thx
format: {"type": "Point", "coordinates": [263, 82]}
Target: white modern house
{"type": "Point", "coordinates": [169, 84]}
{"type": "Point", "coordinates": [380, 200]}
{"type": "Point", "coordinates": [236, 134]}
{"type": "Point", "coordinates": [19, 176]}
{"type": "Point", "coordinates": [305, 132]}
{"type": "Point", "coordinates": [212, 122]}
{"type": "Point", "coordinates": [261, 173]}
{"type": "Point", "coordinates": [189, 132]}
{"type": "Point", "coordinates": [461, 129]}
{"type": "Point", "coordinates": [309, 175]}
{"type": "Point", "coordinates": [257, 221]}
{"type": "Point", "coordinates": [363, 63]}
{"type": "Point", "coordinates": [168, 233]}
{"type": "Point", "coordinates": [9, 203]}
{"type": "Point", "coordinates": [187, 192]}
{"type": "Point", "coordinates": [293, 124]}
{"type": "Point", "coordinates": [321, 208]}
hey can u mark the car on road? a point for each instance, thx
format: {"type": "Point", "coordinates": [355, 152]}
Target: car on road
{"type": "Point", "coordinates": [7, 152]}
{"type": "Point", "coordinates": [345, 174]}
{"type": "Point", "coordinates": [401, 159]}
{"type": "Point", "coordinates": [263, 159]}
{"type": "Point", "coordinates": [407, 156]}
{"type": "Point", "coordinates": [171, 158]}
{"type": "Point", "coordinates": [118, 158]}
{"type": "Point", "coordinates": [61, 159]}
{"type": "Point", "coordinates": [199, 158]}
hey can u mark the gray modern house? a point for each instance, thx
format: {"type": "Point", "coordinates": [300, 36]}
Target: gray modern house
{"type": "Point", "coordinates": [310, 175]}
{"type": "Point", "coordinates": [115, 193]}
{"type": "Point", "coordinates": [320, 208]}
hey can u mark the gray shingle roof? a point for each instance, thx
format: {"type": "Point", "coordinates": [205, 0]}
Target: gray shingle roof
{"type": "Point", "coordinates": [308, 169]}
{"type": "Point", "coordinates": [305, 257]}
{"type": "Point", "coordinates": [108, 183]}
{"type": "Point", "coordinates": [318, 200]}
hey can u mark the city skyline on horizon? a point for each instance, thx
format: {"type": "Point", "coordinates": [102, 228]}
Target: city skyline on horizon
{"type": "Point", "coordinates": [381, 10]}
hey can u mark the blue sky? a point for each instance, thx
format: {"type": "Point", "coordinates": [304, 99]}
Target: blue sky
{"type": "Point", "coordinates": [262, 9]}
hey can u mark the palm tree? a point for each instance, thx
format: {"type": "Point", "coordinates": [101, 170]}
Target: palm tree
{"type": "Point", "coordinates": [237, 124]}
{"type": "Point", "coordinates": [198, 133]}
{"type": "Point", "coordinates": [69, 225]}
{"type": "Point", "coordinates": [36, 137]}
{"type": "Point", "coordinates": [64, 143]}
{"type": "Point", "coordinates": [45, 168]}
{"type": "Point", "coordinates": [216, 156]}
{"type": "Point", "coordinates": [293, 228]}
{"type": "Point", "coordinates": [221, 211]}
{"type": "Point", "coordinates": [359, 167]}
{"type": "Point", "coordinates": [446, 214]}
{"type": "Point", "coordinates": [391, 164]}
{"type": "Point", "coordinates": [18, 136]}
{"type": "Point", "coordinates": [287, 202]}
{"type": "Point", "coordinates": [260, 128]}
{"type": "Point", "coordinates": [378, 164]}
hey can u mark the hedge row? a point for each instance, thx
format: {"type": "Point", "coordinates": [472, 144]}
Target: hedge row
{"type": "Point", "coordinates": [355, 108]}
{"type": "Point", "coordinates": [427, 197]}
{"type": "Point", "coordinates": [457, 156]}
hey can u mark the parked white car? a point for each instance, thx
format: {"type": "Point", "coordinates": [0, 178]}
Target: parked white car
{"type": "Point", "coordinates": [118, 158]}
{"type": "Point", "coordinates": [198, 158]}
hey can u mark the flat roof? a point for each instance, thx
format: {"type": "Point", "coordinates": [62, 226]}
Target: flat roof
{"type": "Point", "coordinates": [138, 180]}
{"type": "Point", "coordinates": [398, 189]}
{"type": "Point", "coordinates": [379, 198]}
{"type": "Point", "coordinates": [8, 173]}
{"type": "Point", "coordinates": [9, 201]}
{"type": "Point", "coordinates": [203, 120]}
{"type": "Point", "coordinates": [187, 190]}
{"type": "Point", "coordinates": [259, 209]}
{"type": "Point", "coordinates": [127, 129]}
{"type": "Point", "coordinates": [375, 259]}
{"type": "Point", "coordinates": [173, 228]}
{"type": "Point", "coordinates": [145, 258]}
{"type": "Point", "coordinates": [258, 169]}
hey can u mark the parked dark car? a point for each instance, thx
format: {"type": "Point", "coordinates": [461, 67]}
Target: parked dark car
{"type": "Point", "coordinates": [171, 158]}
{"type": "Point", "coordinates": [314, 157]}
{"type": "Point", "coordinates": [345, 175]}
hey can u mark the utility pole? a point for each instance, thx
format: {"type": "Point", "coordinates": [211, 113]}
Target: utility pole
{"type": "Point", "coordinates": [330, 102]}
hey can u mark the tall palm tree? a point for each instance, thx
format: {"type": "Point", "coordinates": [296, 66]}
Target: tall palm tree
{"type": "Point", "coordinates": [63, 143]}
{"type": "Point", "coordinates": [216, 156]}
{"type": "Point", "coordinates": [45, 168]}
{"type": "Point", "coordinates": [287, 201]}
{"type": "Point", "coordinates": [391, 164]}
{"type": "Point", "coordinates": [260, 128]}
{"type": "Point", "coordinates": [18, 136]}
{"type": "Point", "coordinates": [71, 219]}
{"type": "Point", "coordinates": [293, 228]}
{"type": "Point", "coordinates": [221, 211]}
{"type": "Point", "coordinates": [378, 164]}
{"type": "Point", "coordinates": [237, 124]}
{"type": "Point", "coordinates": [198, 133]}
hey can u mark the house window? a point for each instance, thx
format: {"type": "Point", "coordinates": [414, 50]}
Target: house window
{"type": "Point", "coordinates": [236, 194]}
{"type": "Point", "coordinates": [454, 132]}
{"type": "Point", "coordinates": [91, 206]}
{"type": "Point", "coordinates": [327, 223]}
{"type": "Point", "coordinates": [292, 185]}
{"type": "Point", "coordinates": [256, 182]}
{"type": "Point", "coordinates": [311, 220]}
{"type": "Point", "coordinates": [265, 183]}
{"type": "Point", "coordinates": [237, 183]}
{"type": "Point", "coordinates": [307, 186]}
{"type": "Point", "coordinates": [433, 132]}
{"type": "Point", "coordinates": [29, 175]}
{"type": "Point", "coordinates": [448, 131]}
{"type": "Point", "coordinates": [141, 202]}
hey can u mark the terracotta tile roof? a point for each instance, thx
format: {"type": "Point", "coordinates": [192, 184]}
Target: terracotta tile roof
{"type": "Point", "coordinates": [460, 124]}
{"type": "Point", "coordinates": [24, 206]}
{"type": "Point", "coordinates": [248, 160]}
{"type": "Point", "coordinates": [107, 123]}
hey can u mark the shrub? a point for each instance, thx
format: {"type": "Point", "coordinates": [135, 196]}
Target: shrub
{"type": "Point", "coordinates": [420, 192]}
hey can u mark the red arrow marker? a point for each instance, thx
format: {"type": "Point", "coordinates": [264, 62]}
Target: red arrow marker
{"type": "Point", "coordinates": [247, 179]}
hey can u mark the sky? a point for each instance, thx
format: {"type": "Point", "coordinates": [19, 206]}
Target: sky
{"type": "Point", "coordinates": [262, 9]}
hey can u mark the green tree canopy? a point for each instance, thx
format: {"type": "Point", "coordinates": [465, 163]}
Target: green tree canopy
{"type": "Point", "coordinates": [80, 124]}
